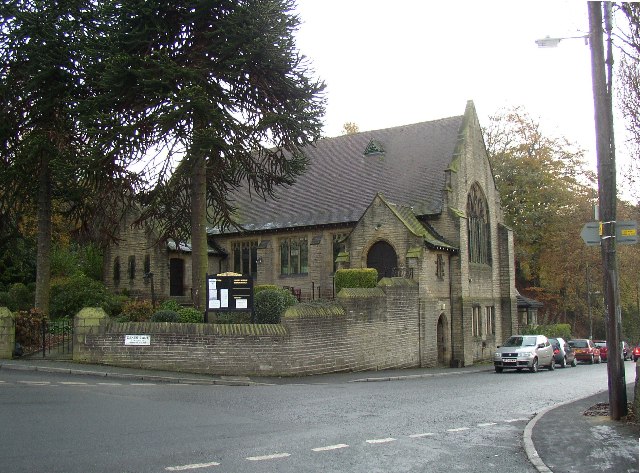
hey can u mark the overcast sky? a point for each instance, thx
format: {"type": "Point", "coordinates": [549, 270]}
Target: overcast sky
{"type": "Point", "coordinates": [388, 63]}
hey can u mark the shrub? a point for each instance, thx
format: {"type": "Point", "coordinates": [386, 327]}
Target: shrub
{"type": "Point", "coordinates": [270, 304]}
{"type": "Point", "coordinates": [191, 315]}
{"type": "Point", "coordinates": [165, 316]}
{"type": "Point", "coordinates": [69, 295]}
{"type": "Point", "coordinates": [29, 327]}
{"type": "Point", "coordinates": [136, 311]}
{"type": "Point", "coordinates": [363, 277]}
{"type": "Point", "coordinates": [20, 297]}
{"type": "Point", "coordinates": [263, 287]}
{"type": "Point", "coordinates": [68, 260]}
{"type": "Point", "coordinates": [550, 331]}
{"type": "Point", "coordinates": [170, 304]}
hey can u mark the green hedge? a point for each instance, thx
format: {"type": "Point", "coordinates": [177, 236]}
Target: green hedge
{"type": "Point", "coordinates": [270, 304]}
{"type": "Point", "coordinates": [550, 331]}
{"type": "Point", "coordinates": [363, 277]}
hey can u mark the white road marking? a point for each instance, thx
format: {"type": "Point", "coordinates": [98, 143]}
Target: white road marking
{"type": "Point", "coordinates": [330, 447]}
{"type": "Point", "coordinates": [142, 384]}
{"type": "Point", "coordinates": [35, 383]}
{"type": "Point", "coordinates": [269, 457]}
{"type": "Point", "coordinates": [193, 466]}
{"type": "Point", "coordinates": [487, 424]}
{"type": "Point", "coordinates": [516, 420]}
{"type": "Point", "coordinates": [459, 429]}
{"type": "Point", "coordinates": [110, 384]}
{"type": "Point", "coordinates": [387, 440]}
{"type": "Point", "coordinates": [417, 436]}
{"type": "Point", "coordinates": [73, 383]}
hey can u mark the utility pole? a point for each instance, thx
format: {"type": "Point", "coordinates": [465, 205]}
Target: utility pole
{"type": "Point", "coordinates": [605, 147]}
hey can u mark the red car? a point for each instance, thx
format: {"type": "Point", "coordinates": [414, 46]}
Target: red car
{"type": "Point", "coordinates": [585, 350]}
{"type": "Point", "coordinates": [602, 345]}
{"type": "Point", "coordinates": [635, 354]}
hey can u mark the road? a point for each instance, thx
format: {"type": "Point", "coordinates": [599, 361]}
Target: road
{"type": "Point", "coordinates": [471, 422]}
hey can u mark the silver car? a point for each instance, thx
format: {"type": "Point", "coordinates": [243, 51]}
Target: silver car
{"type": "Point", "coordinates": [524, 351]}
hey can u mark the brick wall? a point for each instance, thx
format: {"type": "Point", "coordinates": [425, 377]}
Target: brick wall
{"type": "Point", "coordinates": [366, 329]}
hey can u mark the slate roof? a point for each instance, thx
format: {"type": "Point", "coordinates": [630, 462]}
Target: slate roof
{"type": "Point", "coordinates": [526, 303]}
{"type": "Point", "coordinates": [341, 181]}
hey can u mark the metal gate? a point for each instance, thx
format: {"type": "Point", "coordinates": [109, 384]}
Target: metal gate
{"type": "Point", "coordinates": [46, 339]}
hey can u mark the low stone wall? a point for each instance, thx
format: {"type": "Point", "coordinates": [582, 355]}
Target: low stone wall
{"type": "Point", "coordinates": [364, 329]}
{"type": "Point", "coordinates": [7, 333]}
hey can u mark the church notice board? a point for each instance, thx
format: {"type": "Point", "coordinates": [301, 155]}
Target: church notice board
{"type": "Point", "coordinates": [229, 292]}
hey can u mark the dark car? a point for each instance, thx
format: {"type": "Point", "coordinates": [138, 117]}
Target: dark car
{"type": "Point", "coordinates": [602, 344]}
{"type": "Point", "coordinates": [585, 350]}
{"type": "Point", "coordinates": [563, 353]}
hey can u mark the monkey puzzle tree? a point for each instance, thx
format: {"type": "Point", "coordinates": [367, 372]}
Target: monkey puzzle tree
{"type": "Point", "coordinates": [47, 148]}
{"type": "Point", "coordinates": [228, 101]}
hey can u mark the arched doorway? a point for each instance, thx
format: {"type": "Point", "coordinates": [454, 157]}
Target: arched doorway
{"type": "Point", "coordinates": [382, 257]}
{"type": "Point", "coordinates": [441, 340]}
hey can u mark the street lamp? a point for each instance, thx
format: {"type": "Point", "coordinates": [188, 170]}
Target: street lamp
{"type": "Point", "coordinates": [549, 42]}
{"type": "Point", "coordinates": [607, 199]}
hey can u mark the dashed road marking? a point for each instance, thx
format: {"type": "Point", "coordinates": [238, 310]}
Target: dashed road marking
{"type": "Point", "coordinates": [459, 429]}
{"type": "Point", "coordinates": [273, 456]}
{"type": "Point", "coordinates": [193, 466]}
{"type": "Point", "coordinates": [510, 421]}
{"type": "Point", "coordinates": [487, 424]}
{"type": "Point", "coordinates": [376, 441]}
{"type": "Point", "coordinates": [330, 447]}
{"type": "Point", "coordinates": [35, 383]}
{"type": "Point", "coordinates": [74, 383]}
{"type": "Point", "coordinates": [425, 434]}
{"type": "Point", "coordinates": [110, 384]}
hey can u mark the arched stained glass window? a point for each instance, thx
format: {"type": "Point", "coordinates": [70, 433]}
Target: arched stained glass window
{"type": "Point", "coordinates": [478, 227]}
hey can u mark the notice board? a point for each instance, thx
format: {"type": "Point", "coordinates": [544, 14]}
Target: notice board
{"type": "Point", "coordinates": [229, 292]}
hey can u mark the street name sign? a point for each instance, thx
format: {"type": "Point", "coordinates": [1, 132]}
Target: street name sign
{"type": "Point", "coordinates": [626, 232]}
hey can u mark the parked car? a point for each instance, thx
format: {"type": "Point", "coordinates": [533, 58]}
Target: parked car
{"type": "Point", "coordinates": [524, 351]}
{"type": "Point", "coordinates": [604, 351]}
{"type": "Point", "coordinates": [635, 353]}
{"type": "Point", "coordinates": [563, 353]}
{"type": "Point", "coordinates": [585, 350]}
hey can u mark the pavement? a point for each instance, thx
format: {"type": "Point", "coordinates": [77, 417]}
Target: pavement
{"type": "Point", "coordinates": [559, 439]}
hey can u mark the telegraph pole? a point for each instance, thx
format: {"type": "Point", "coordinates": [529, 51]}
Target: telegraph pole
{"type": "Point", "coordinates": [605, 149]}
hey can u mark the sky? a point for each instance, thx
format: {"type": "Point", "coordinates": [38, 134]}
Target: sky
{"type": "Point", "coordinates": [390, 63]}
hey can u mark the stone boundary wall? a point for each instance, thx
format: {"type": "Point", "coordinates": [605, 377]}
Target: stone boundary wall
{"type": "Point", "coordinates": [365, 329]}
{"type": "Point", "coordinates": [7, 333]}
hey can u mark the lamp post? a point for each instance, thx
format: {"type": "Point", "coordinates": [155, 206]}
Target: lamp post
{"type": "Point", "coordinates": [605, 150]}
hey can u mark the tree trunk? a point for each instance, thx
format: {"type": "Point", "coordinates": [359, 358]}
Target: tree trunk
{"type": "Point", "coordinates": [199, 255]}
{"type": "Point", "coordinates": [43, 256]}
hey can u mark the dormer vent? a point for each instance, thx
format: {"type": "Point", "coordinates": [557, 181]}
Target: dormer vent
{"type": "Point", "coordinates": [374, 148]}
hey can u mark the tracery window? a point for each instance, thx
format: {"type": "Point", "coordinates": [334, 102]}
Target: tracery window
{"type": "Point", "coordinates": [479, 240]}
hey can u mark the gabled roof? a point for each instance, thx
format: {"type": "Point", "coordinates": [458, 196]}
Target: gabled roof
{"type": "Point", "coordinates": [344, 175]}
{"type": "Point", "coordinates": [431, 238]}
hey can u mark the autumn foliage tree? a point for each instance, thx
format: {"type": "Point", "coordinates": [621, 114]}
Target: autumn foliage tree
{"type": "Point", "coordinates": [547, 195]}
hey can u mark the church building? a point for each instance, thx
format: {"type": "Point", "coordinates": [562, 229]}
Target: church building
{"type": "Point", "coordinates": [415, 201]}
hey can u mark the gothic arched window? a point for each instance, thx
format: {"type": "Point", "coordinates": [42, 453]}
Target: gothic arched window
{"type": "Point", "coordinates": [478, 227]}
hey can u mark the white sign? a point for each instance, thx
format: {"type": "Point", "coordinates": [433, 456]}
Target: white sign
{"type": "Point", "coordinates": [241, 303]}
{"type": "Point", "coordinates": [137, 339]}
